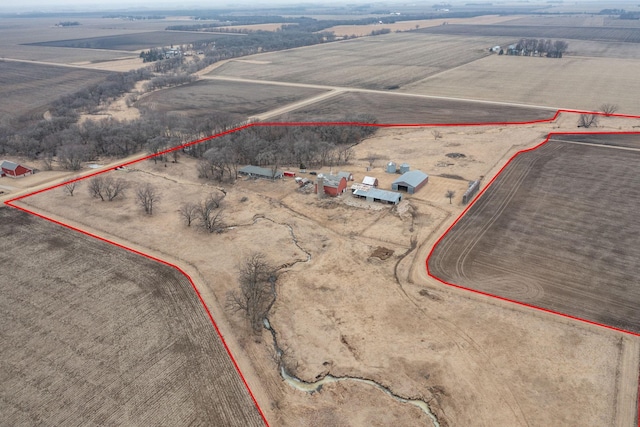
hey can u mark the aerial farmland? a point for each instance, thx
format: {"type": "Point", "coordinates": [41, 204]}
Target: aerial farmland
{"type": "Point", "coordinates": [126, 256]}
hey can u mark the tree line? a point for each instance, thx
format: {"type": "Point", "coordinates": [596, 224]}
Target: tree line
{"type": "Point", "coordinates": [539, 47]}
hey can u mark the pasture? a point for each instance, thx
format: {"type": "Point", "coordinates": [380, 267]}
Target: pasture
{"type": "Point", "coordinates": [93, 334]}
{"type": "Point", "coordinates": [396, 108]}
{"type": "Point", "coordinates": [137, 41]}
{"type": "Point", "coordinates": [556, 230]}
{"type": "Point", "coordinates": [240, 100]}
{"type": "Point", "coordinates": [382, 62]}
{"type": "Point", "coordinates": [568, 82]}
{"type": "Point", "coordinates": [28, 88]}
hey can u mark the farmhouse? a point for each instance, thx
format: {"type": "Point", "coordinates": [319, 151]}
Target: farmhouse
{"type": "Point", "coordinates": [410, 181]}
{"type": "Point", "coordinates": [14, 170]}
{"type": "Point", "coordinates": [258, 172]}
{"type": "Point", "coordinates": [375, 195]}
{"type": "Point", "coordinates": [331, 185]}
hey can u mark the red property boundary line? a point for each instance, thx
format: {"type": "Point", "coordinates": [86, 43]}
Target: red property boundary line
{"type": "Point", "coordinates": [11, 203]}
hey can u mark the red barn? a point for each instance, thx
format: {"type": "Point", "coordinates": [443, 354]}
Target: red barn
{"type": "Point", "coordinates": [14, 170]}
{"type": "Point", "coordinates": [333, 186]}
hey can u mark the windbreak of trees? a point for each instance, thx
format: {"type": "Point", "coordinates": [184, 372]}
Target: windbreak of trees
{"type": "Point", "coordinates": [274, 147]}
{"type": "Point", "coordinates": [539, 47]}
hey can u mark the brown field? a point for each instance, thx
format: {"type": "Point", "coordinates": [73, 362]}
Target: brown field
{"type": "Point", "coordinates": [559, 83]}
{"type": "Point", "coordinates": [580, 201]}
{"type": "Point", "coordinates": [628, 35]}
{"type": "Point", "coordinates": [619, 140]}
{"type": "Point", "coordinates": [241, 100]}
{"type": "Point", "coordinates": [28, 88]}
{"type": "Point", "coordinates": [380, 62]}
{"type": "Point", "coordinates": [409, 109]}
{"type": "Point", "coordinates": [582, 20]}
{"type": "Point", "coordinates": [136, 41]}
{"type": "Point", "coordinates": [93, 334]}
{"type": "Point", "coordinates": [345, 313]}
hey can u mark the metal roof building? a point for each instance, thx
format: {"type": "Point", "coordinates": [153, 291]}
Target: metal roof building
{"type": "Point", "coordinates": [258, 172]}
{"type": "Point", "coordinates": [410, 182]}
{"type": "Point", "coordinates": [376, 195]}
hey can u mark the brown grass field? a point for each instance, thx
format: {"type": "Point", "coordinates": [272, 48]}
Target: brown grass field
{"type": "Point", "coordinates": [556, 230]}
{"type": "Point", "coordinates": [102, 336]}
{"type": "Point", "coordinates": [241, 100]}
{"type": "Point", "coordinates": [408, 109]}
{"type": "Point", "coordinates": [380, 62]}
{"type": "Point", "coordinates": [28, 88]}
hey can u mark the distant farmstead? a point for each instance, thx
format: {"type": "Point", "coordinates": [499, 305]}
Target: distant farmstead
{"type": "Point", "coordinates": [14, 170]}
{"type": "Point", "coordinates": [258, 172]}
{"type": "Point", "coordinates": [410, 182]}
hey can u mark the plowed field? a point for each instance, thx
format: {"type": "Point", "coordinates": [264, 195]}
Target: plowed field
{"type": "Point", "coordinates": [557, 229]}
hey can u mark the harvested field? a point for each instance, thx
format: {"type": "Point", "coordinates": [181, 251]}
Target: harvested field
{"type": "Point", "coordinates": [579, 200]}
{"type": "Point", "coordinates": [628, 35]}
{"type": "Point", "coordinates": [240, 100]}
{"type": "Point", "coordinates": [93, 334]}
{"type": "Point", "coordinates": [380, 62]}
{"type": "Point", "coordinates": [26, 88]}
{"type": "Point", "coordinates": [631, 140]}
{"type": "Point", "coordinates": [559, 83]}
{"type": "Point", "coordinates": [581, 20]}
{"type": "Point", "coordinates": [136, 41]}
{"type": "Point", "coordinates": [409, 109]}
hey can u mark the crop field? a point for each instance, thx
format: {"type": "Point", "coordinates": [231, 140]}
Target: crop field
{"type": "Point", "coordinates": [26, 88]}
{"type": "Point", "coordinates": [559, 83]}
{"type": "Point", "coordinates": [556, 230]}
{"type": "Point", "coordinates": [136, 41]}
{"type": "Point", "coordinates": [382, 62]}
{"type": "Point", "coordinates": [240, 100]}
{"type": "Point", "coordinates": [394, 108]}
{"type": "Point", "coordinates": [95, 335]}
{"type": "Point", "coordinates": [579, 20]}
{"type": "Point", "coordinates": [629, 35]}
{"type": "Point", "coordinates": [631, 140]}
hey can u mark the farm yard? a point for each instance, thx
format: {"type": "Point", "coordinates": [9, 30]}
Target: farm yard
{"type": "Point", "coordinates": [240, 100]}
{"type": "Point", "coordinates": [95, 334]}
{"type": "Point", "coordinates": [579, 200]}
{"type": "Point", "coordinates": [395, 108]}
{"type": "Point", "coordinates": [383, 62]}
{"type": "Point", "coordinates": [29, 88]}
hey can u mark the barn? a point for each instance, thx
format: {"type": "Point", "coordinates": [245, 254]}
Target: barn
{"type": "Point", "coordinates": [258, 172]}
{"type": "Point", "coordinates": [410, 181]}
{"type": "Point", "coordinates": [14, 170]}
{"type": "Point", "coordinates": [332, 185]}
{"type": "Point", "coordinates": [375, 195]}
{"type": "Point", "coordinates": [370, 180]}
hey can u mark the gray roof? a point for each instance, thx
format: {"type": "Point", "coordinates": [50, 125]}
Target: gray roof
{"type": "Point", "coordinates": [413, 178]}
{"type": "Point", "coordinates": [258, 171]}
{"type": "Point", "coordinates": [346, 175]}
{"type": "Point", "coordinates": [6, 164]}
{"type": "Point", "coordinates": [332, 180]}
{"type": "Point", "coordinates": [387, 196]}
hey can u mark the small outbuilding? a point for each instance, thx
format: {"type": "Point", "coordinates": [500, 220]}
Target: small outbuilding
{"type": "Point", "coordinates": [404, 168]}
{"type": "Point", "coordinates": [376, 195]}
{"type": "Point", "coordinates": [347, 175]}
{"type": "Point", "coordinates": [410, 182]}
{"type": "Point", "coordinates": [14, 170]}
{"type": "Point", "coordinates": [258, 172]}
{"type": "Point", "coordinates": [370, 180]}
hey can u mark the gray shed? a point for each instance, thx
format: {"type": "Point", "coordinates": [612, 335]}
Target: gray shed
{"type": "Point", "coordinates": [258, 172]}
{"type": "Point", "coordinates": [410, 182]}
{"type": "Point", "coordinates": [375, 195]}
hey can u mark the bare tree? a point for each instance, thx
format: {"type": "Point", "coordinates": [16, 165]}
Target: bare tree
{"type": "Point", "coordinates": [436, 134]}
{"type": "Point", "coordinates": [372, 158]}
{"type": "Point", "coordinates": [188, 212]}
{"type": "Point", "coordinates": [211, 218]}
{"type": "Point", "coordinates": [72, 156]}
{"type": "Point", "coordinates": [450, 194]}
{"type": "Point", "coordinates": [257, 293]}
{"type": "Point", "coordinates": [588, 120]}
{"type": "Point", "coordinates": [147, 196]}
{"type": "Point", "coordinates": [608, 109]}
{"type": "Point", "coordinates": [107, 188]}
{"type": "Point", "coordinates": [70, 187]}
